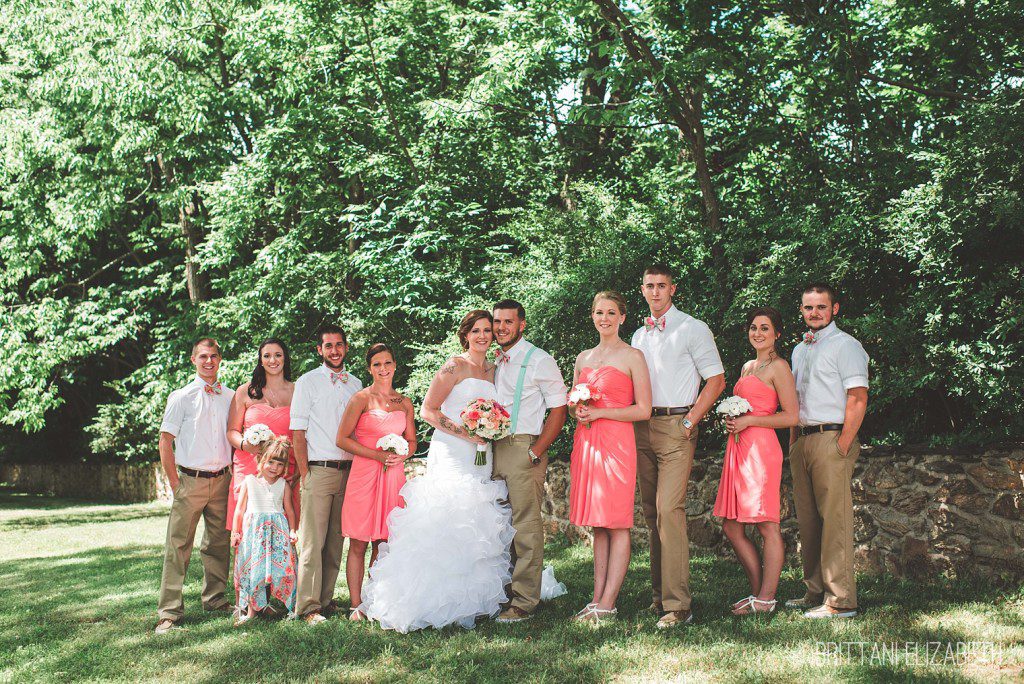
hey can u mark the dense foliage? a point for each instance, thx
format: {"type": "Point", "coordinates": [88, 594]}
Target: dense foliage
{"type": "Point", "coordinates": [242, 168]}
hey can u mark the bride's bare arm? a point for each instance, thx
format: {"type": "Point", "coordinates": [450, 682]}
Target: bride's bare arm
{"type": "Point", "coordinates": [440, 387]}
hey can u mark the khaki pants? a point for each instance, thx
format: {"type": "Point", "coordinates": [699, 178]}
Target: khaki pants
{"type": "Point", "coordinates": [824, 509]}
{"type": "Point", "coordinates": [664, 457]}
{"type": "Point", "coordinates": [195, 497]}
{"type": "Point", "coordinates": [322, 492]}
{"type": "Point", "coordinates": [525, 483]}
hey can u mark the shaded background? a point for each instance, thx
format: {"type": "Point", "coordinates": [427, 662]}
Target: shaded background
{"type": "Point", "coordinates": [247, 169]}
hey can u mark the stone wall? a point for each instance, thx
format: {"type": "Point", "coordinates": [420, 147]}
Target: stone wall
{"type": "Point", "coordinates": [106, 481]}
{"type": "Point", "coordinates": [918, 512]}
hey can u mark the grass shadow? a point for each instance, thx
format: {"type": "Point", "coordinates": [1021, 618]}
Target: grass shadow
{"type": "Point", "coordinates": [89, 615]}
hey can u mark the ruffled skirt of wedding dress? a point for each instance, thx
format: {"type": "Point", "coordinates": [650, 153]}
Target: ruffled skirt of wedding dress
{"type": "Point", "coordinates": [447, 560]}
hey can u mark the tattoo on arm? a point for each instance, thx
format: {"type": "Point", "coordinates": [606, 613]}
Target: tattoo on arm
{"type": "Point", "coordinates": [448, 368]}
{"type": "Point", "coordinates": [446, 423]}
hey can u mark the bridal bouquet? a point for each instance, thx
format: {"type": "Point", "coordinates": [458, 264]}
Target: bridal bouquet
{"type": "Point", "coordinates": [257, 434]}
{"type": "Point", "coordinates": [582, 394]}
{"type": "Point", "coordinates": [487, 419]}
{"type": "Point", "coordinates": [396, 444]}
{"type": "Point", "coordinates": [734, 407]}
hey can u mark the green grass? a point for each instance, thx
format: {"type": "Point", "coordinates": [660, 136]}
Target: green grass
{"type": "Point", "coordinates": [78, 586]}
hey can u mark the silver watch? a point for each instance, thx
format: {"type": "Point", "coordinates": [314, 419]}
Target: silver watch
{"type": "Point", "coordinates": [687, 423]}
{"type": "Point", "coordinates": [534, 458]}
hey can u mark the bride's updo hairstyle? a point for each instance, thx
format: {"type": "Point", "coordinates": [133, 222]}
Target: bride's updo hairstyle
{"type": "Point", "coordinates": [377, 349]}
{"type": "Point", "coordinates": [468, 321]}
{"type": "Point", "coordinates": [611, 296]}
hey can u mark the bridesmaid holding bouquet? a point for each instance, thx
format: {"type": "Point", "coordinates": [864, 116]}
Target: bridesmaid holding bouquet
{"type": "Point", "coordinates": [266, 399]}
{"type": "Point", "coordinates": [376, 418]}
{"type": "Point", "coordinates": [752, 471]}
{"type": "Point", "coordinates": [602, 468]}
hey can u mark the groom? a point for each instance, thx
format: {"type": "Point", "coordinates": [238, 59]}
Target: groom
{"type": "Point", "coordinates": [528, 383]}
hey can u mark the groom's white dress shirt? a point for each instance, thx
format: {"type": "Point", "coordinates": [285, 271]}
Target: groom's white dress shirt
{"type": "Point", "coordinates": [199, 422]}
{"type": "Point", "coordinates": [824, 371]}
{"type": "Point", "coordinates": [317, 407]}
{"type": "Point", "coordinates": [543, 386]}
{"type": "Point", "coordinates": [678, 357]}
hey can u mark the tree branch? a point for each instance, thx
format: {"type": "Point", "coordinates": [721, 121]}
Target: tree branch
{"type": "Point", "coordinates": [930, 92]}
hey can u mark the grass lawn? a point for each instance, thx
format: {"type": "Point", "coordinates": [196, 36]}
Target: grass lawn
{"type": "Point", "coordinates": [78, 586]}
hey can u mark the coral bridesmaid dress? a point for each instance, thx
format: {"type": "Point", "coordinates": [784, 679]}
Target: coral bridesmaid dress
{"type": "Point", "coordinates": [752, 471]}
{"type": "Point", "coordinates": [602, 468]}
{"type": "Point", "coordinates": [372, 492]}
{"type": "Point", "coordinates": [275, 418]}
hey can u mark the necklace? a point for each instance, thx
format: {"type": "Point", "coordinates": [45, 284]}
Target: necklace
{"type": "Point", "coordinates": [771, 357]}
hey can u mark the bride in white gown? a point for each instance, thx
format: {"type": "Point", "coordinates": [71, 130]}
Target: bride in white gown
{"type": "Point", "coordinates": [447, 560]}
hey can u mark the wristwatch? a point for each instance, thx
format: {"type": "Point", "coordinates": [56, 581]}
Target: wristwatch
{"type": "Point", "coordinates": [534, 458]}
{"type": "Point", "coordinates": [687, 423]}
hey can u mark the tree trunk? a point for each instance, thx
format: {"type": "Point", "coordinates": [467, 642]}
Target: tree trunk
{"type": "Point", "coordinates": [197, 283]}
{"type": "Point", "coordinates": [683, 104]}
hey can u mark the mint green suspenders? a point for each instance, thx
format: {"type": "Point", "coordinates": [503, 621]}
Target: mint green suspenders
{"type": "Point", "coordinates": [519, 388]}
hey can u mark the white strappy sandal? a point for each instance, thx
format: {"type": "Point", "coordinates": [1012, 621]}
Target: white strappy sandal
{"type": "Point", "coordinates": [595, 616]}
{"type": "Point", "coordinates": [751, 604]}
{"type": "Point", "coordinates": [584, 610]}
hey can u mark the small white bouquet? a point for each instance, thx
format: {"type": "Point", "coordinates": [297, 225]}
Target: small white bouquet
{"type": "Point", "coordinates": [582, 394]}
{"type": "Point", "coordinates": [396, 444]}
{"type": "Point", "coordinates": [257, 434]}
{"type": "Point", "coordinates": [734, 407]}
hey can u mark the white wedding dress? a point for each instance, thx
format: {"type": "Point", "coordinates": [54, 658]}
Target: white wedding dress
{"type": "Point", "coordinates": [447, 560]}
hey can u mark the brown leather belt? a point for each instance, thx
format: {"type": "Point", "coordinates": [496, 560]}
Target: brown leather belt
{"type": "Point", "coordinates": [670, 411]}
{"type": "Point", "coordinates": [337, 465]}
{"type": "Point", "coordinates": [815, 429]}
{"type": "Point", "coordinates": [203, 473]}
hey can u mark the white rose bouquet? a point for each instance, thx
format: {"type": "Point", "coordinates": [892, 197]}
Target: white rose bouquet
{"type": "Point", "coordinates": [396, 444]}
{"type": "Point", "coordinates": [582, 394]}
{"type": "Point", "coordinates": [257, 434]}
{"type": "Point", "coordinates": [734, 407]}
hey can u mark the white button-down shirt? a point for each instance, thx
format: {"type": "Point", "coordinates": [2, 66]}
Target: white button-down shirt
{"type": "Point", "coordinates": [824, 371]}
{"type": "Point", "coordinates": [678, 357]}
{"type": "Point", "coordinates": [199, 423]}
{"type": "Point", "coordinates": [543, 386]}
{"type": "Point", "coordinates": [317, 407]}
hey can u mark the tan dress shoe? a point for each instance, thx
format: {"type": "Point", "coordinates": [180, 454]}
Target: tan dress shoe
{"type": "Point", "coordinates": [674, 618]}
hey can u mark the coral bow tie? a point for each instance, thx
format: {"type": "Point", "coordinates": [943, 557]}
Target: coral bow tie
{"type": "Point", "coordinates": [215, 388]}
{"type": "Point", "coordinates": [651, 324]}
{"type": "Point", "coordinates": [810, 337]}
{"type": "Point", "coordinates": [501, 357]}
{"type": "Point", "coordinates": [335, 377]}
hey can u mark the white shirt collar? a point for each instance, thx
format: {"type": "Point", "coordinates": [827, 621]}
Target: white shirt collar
{"type": "Point", "coordinates": [518, 348]}
{"type": "Point", "coordinates": [825, 332]}
{"type": "Point", "coordinates": [199, 382]}
{"type": "Point", "coordinates": [670, 313]}
{"type": "Point", "coordinates": [327, 369]}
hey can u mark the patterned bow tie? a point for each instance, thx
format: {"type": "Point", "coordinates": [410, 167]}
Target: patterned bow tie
{"type": "Point", "coordinates": [335, 377]}
{"type": "Point", "coordinates": [215, 388]}
{"type": "Point", "coordinates": [810, 337]}
{"type": "Point", "coordinates": [651, 324]}
{"type": "Point", "coordinates": [501, 357]}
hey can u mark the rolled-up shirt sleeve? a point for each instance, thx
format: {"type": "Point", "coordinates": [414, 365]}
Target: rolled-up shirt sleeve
{"type": "Point", "coordinates": [704, 352]}
{"type": "Point", "coordinates": [302, 403]}
{"type": "Point", "coordinates": [549, 379]}
{"type": "Point", "coordinates": [852, 361]}
{"type": "Point", "coordinates": [174, 414]}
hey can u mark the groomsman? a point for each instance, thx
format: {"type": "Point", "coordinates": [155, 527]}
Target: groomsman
{"type": "Point", "coordinates": [196, 458]}
{"type": "Point", "coordinates": [831, 370]}
{"type": "Point", "coordinates": [318, 404]}
{"type": "Point", "coordinates": [528, 383]}
{"type": "Point", "coordinates": [680, 350]}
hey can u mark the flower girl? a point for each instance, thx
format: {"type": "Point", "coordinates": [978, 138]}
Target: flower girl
{"type": "Point", "coordinates": [265, 555]}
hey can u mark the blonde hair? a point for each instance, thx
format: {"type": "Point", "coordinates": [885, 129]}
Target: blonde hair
{"type": "Point", "coordinates": [613, 297]}
{"type": "Point", "coordinates": [275, 449]}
